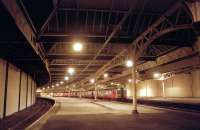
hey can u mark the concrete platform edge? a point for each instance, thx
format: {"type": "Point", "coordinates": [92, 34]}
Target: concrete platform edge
{"type": "Point", "coordinates": [36, 125]}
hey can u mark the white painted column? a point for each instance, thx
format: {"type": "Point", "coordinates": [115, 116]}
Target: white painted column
{"type": "Point", "coordinates": [95, 92]}
{"type": "Point", "coordinates": [133, 73]}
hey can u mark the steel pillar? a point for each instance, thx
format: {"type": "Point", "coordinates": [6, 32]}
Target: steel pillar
{"type": "Point", "coordinates": [133, 74]}
{"type": "Point", "coordinates": [95, 90]}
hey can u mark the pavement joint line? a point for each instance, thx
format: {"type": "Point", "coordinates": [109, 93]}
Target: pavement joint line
{"type": "Point", "coordinates": [101, 105]}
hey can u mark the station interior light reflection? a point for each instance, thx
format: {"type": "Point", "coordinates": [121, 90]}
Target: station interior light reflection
{"type": "Point", "coordinates": [129, 63]}
{"type": "Point", "coordinates": [61, 82]}
{"type": "Point", "coordinates": [77, 46]}
{"type": "Point", "coordinates": [105, 75]}
{"type": "Point", "coordinates": [92, 80]}
{"type": "Point", "coordinates": [71, 71]}
{"type": "Point", "coordinates": [66, 78]}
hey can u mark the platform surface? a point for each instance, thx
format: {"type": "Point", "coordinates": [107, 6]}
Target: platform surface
{"type": "Point", "coordinates": [76, 114]}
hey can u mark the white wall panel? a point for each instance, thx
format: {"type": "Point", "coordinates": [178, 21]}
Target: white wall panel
{"type": "Point", "coordinates": [32, 87]}
{"type": "Point", "coordinates": [33, 93]}
{"type": "Point", "coordinates": [29, 91]}
{"type": "Point", "coordinates": [16, 96]}
{"type": "Point", "coordinates": [196, 83]}
{"type": "Point", "coordinates": [12, 90]}
{"type": "Point", "coordinates": [2, 85]}
{"type": "Point", "coordinates": [129, 91]}
{"type": "Point", "coordinates": [23, 91]}
{"type": "Point", "coordinates": [179, 86]}
{"type": "Point", "coordinates": [148, 88]}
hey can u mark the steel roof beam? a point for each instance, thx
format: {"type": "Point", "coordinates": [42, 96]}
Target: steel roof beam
{"type": "Point", "coordinates": [54, 70]}
{"type": "Point", "coordinates": [114, 31]}
{"type": "Point", "coordinates": [140, 44]}
{"type": "Point", "coordinates": [51, 15]}
{"type": "Point", "coordinates": [105, 11]}
{"type": "Point", "coordinates": [74, 65]}
{"type": "Point", "coordinates": [26, 29]}
{"type": "Point", "coordinates": [78, 57]}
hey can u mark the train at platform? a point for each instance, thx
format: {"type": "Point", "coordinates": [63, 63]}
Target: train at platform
{"type": "Point", "coordinates": [110, 94]}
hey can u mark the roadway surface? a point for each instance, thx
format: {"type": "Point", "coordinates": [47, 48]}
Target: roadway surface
{"type": "Point", "coordinates": [82, 114]}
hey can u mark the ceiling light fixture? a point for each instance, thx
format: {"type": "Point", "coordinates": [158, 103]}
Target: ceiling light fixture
{"type": "Point", "coordinates": [129, 63]}
{"type": "Point", "coordinates": [77, 46]}
{"type": "Point", "coordinates": [157, 75]}
{"type": "Point", "coordinates": [105, 75]}
{"type": "Point", "coordinates": [66, 78]}
{"type": "Point", "coordinates": [71, 71]}
{"type": "Point", "coordinates": [61, 82]}
{"type": "Point", "coordinates": [92, 80]}
{"type": "Point", "coordinates": [129, 80]}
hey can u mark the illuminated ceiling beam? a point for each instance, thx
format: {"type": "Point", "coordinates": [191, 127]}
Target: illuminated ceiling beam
{"type": "Point", "coordinates": [23, 22]}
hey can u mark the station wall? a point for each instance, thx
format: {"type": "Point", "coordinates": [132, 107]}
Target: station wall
{"type": "Point", "coordinates": [12, 90]}
{"type": "Point", "coordinates": [181, 85]}
{"type": "Point", "coordinates": [2, 84]}
{"type": "Point", "coordinates": [196, 83]}
{"type": "Point", "coordinates": [23, 91]}
{"type": "Point", "coordinates": [17, 89]}
{"type": "Point", "coordinates": [29, 92]}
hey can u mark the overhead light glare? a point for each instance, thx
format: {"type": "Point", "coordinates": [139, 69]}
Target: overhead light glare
{"type": "Point", "coordinates": [77, 46]}
{"type": "Point", "coordinates": [61, 82]}
{"type": "Point", "coordinates": [92, 80]}
{"type": "Point", "coordinates": [157, 75]}
{"type": "Point", "coordinates": [129, 63]}
{"type": "Point", "coordinates": [105, 75]}
{"type": "Point", "coordinates": [66, 78]}
{"type": "Point", "coordinates": [71, 71]}
{"type": "Point", "coordinates": [129, 80]}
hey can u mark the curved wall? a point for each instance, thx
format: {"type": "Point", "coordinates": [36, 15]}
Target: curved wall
{"type": "Point", "coordinates": [17, 89]}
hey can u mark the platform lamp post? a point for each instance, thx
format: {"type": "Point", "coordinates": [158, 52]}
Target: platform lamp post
{"type": "Point", "coordinates": [95, 89]}
{"type": "Point", "coordinates": [92, 81]}
{"type": "Point", "coordinates": [130, 64]}
{"type": "Point", "coordinates": [134, 76]}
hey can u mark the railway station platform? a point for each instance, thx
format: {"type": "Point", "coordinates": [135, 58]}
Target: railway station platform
{"type": "Point", "coordinates": [84, 114]}
{"type": "Point", "coordinates": [98, 62]}
{"type": "Point", "coordinates": [186, 104]}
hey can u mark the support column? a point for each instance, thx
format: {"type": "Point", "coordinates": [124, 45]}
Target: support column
{"type": "Point", "coordinates": [95, 92]}
{"type": "Point", "coordinates": [133, 73]}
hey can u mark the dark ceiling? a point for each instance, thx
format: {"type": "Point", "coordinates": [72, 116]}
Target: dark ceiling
{"type": "Point", "coordinates": [93, 21]}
